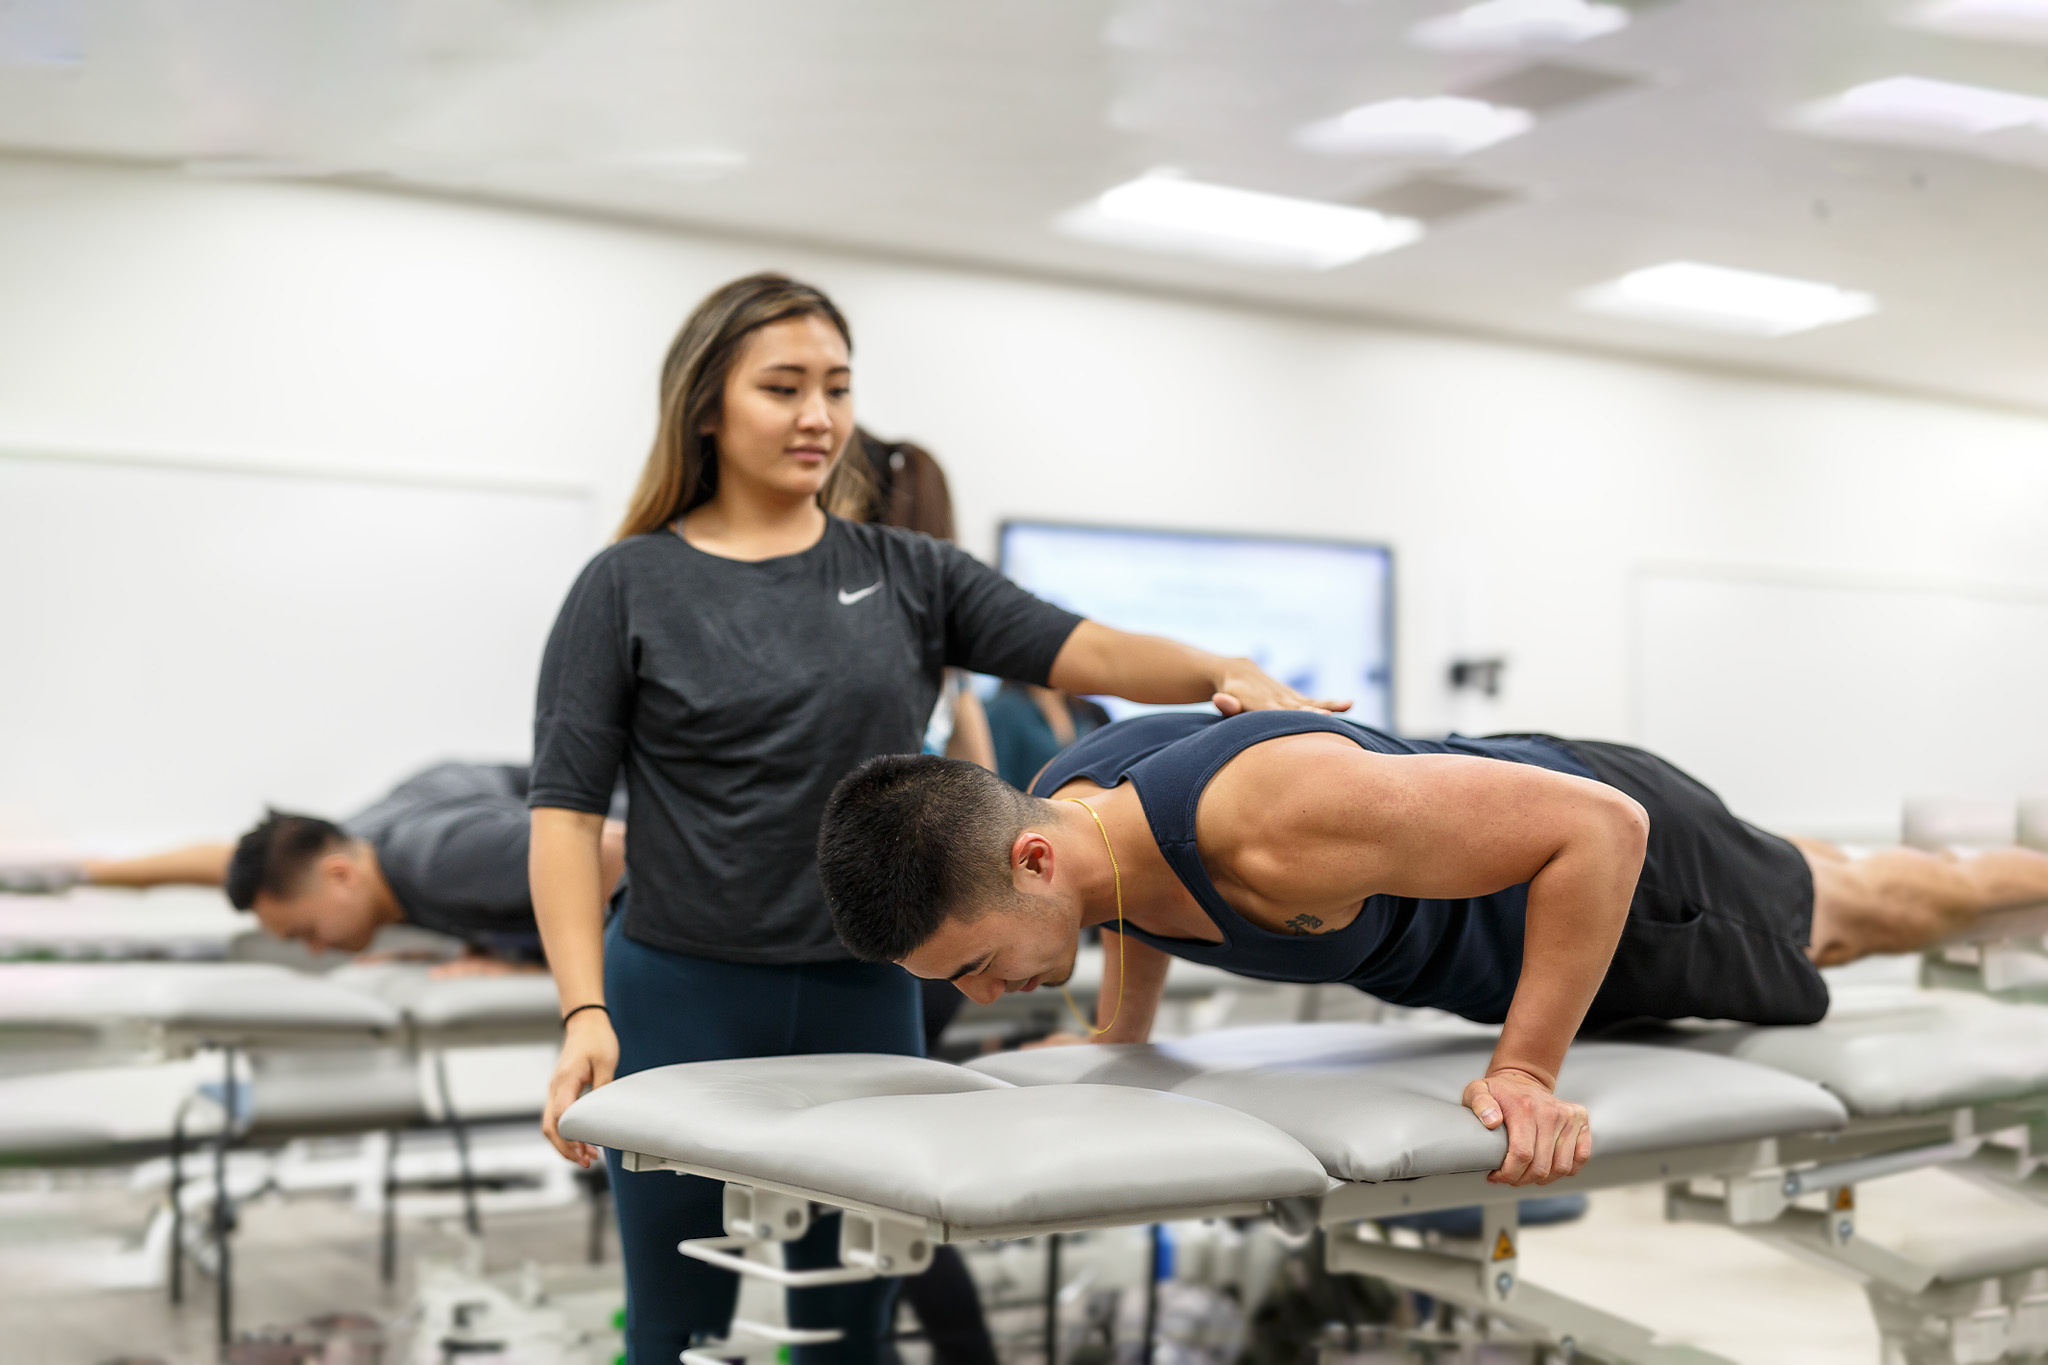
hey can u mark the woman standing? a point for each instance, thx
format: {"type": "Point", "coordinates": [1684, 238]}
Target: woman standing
{"type": "Point", "coordinates": [737, 651]}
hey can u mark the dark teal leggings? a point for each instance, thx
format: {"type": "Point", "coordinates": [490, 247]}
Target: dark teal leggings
{"type": "Point", "coordinates": [668, 1007]}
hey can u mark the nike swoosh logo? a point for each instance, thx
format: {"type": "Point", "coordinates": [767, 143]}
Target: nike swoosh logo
{"type": "Point", "coordinates": [847, 599]}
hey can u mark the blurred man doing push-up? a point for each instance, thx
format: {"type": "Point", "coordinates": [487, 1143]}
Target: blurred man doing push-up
{"type": "Point", "coordinates": [445, 850]}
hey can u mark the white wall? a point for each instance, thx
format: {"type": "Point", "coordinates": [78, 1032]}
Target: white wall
{"type": "Point", "coordinates": [184, 645]}
{"type": "Point", "coordinates": [1816, 704]}
{"type": "Point", "coordinates": [1521, 487]}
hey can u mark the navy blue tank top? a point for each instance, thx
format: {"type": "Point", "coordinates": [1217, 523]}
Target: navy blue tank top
{"type": "Point", "coordinates": [1463, 956]}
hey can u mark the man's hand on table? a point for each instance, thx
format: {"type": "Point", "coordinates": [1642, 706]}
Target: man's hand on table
{"type": "Point", "coordinates": [1548, 1138]}
{"type": "Point", "coordinates": [1055, 1040]}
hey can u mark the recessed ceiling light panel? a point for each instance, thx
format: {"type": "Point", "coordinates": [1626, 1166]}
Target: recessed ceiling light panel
{"type": "Point", "coordinates": [1165, 212]}
{"type": "Point", "coordinates": [2017, 21]}
{"type": "Point", "coordinates": [1518, 25]}
{"type": "Point", "coordinates": [1915, 105]}
{"type": "Point", "coordinates": [1717, 298]}
{"type": "Point", "coordinates": [1439, 126]}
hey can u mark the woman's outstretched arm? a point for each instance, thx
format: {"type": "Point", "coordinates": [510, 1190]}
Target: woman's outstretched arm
{"type": "Point", "coordinates": [1097, 660]}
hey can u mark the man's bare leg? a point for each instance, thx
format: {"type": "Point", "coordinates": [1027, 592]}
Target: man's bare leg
{"type": "Point", "coordinates": [1817, 848]}
{"type": "Point", "coordinates": [1900, 900]}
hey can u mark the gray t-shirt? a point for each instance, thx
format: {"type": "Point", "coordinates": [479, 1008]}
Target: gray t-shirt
{"type": "Point", "coordinates": [737, 694]}
{"type": "Point", "coordinates": [452, 841]}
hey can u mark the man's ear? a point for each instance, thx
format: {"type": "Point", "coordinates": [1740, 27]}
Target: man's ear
{"type": "Point", "coordinates": [338, 867]}
{"type": "Point", "coordinates": [1031, 861]}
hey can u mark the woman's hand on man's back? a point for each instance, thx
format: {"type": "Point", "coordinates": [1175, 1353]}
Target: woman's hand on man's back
{"type": "Point", "coordinates": [1247, 687]}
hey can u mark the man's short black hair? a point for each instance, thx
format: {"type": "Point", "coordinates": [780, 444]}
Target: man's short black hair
{"type": "Point", "coordinates": [908, 839]}
{"type": "Point", "coordinates": [276, 855]}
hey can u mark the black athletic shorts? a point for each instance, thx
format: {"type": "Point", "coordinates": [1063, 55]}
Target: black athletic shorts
{"type": "Point", "coordinates": [1722, 914]}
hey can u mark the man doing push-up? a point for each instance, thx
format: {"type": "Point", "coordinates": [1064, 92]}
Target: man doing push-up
{"type": "Point", "coordinates": [1527, 881]}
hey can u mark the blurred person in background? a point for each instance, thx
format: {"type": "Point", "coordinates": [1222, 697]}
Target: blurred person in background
{"type": "Point", "coordinates": [910, 491]}
{"type": "Point", "coordinates": [445, 850]}
{"type": "Point", "coordinates": [1029, 726]}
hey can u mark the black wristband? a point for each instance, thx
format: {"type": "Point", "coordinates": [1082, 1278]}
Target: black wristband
{"type": "Point", "coordinates": [580, 1008]}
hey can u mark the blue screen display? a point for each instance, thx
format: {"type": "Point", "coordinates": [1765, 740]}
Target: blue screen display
{"type": "Point", "coordinates": [1318, 615]}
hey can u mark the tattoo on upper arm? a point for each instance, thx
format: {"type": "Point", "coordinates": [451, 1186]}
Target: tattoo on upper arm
{"type": "Point", "coordinates": [1303, 923]}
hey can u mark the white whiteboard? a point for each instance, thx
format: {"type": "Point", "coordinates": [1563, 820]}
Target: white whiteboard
{"type": "Point", "coordinates": [1817, 708]}
{"type": "Point", "coordinates": [182, 645]}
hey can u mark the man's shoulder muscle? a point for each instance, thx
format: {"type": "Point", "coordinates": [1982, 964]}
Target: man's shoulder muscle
{"type": "Point", "coordinates": [1265, 810]}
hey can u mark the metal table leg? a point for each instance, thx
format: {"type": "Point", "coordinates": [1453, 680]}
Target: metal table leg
{"type": "Point", "coordinates": [223, 1264]}
{"type": "Point", "coordinates": [177, 1275]}
{"type": "Point", "coordinates": [387, 1249]}
{"type": "Point", "coordinates": [1152, 1298]}
{"type": "Point", "coordinates": [1052, 1299]}
{"type": "Point", "coordinates": [470, 1219]}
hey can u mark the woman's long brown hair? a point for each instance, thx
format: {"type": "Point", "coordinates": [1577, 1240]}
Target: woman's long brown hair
{"type": "Point", "coordinates": [682, 468]}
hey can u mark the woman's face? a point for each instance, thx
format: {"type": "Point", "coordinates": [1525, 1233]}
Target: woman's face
{"type": "Point", "coordinates": [788, 408]}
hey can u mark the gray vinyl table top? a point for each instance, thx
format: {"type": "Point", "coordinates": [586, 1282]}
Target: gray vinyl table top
{"type": "Point", "coordinates": [1902, 1053]}
{"type": "Point", "coordinates": [229, 1002]}
{"type": "Point", "coordinates": [939, 1142]}
{"type": "Point", "coordinates": [1384, 1102]}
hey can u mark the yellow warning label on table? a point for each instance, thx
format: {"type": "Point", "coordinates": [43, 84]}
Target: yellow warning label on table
{"type": "Point", "coordinates": [1845, 1199]}
{"type": "Point", "coordinates": [1504, 1249]}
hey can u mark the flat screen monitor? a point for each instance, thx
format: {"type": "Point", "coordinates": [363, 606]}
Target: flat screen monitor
{"type": "Point", "coordinates": [1317, 614]}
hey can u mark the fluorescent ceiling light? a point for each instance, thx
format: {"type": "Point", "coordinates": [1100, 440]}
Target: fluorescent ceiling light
{"type": "Point", "coordinates": [1998, 125]}
{"type": "Point", "coordinates": [1162, 211]}
{"type": "Point", "coordinates": [2022, 21]}
{"type": "Point", "coordinates": [1517, 25]}
{"type": "Point", "coordinates": [1914, 104]}
{"type": "Point", "coordinates": [1717, 298]}
{"type": "Point", "coordinates": [1442, 125]}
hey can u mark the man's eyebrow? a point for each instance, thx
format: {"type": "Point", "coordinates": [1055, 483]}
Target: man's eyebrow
{"type": "Point", "coordinates": [972, 966]}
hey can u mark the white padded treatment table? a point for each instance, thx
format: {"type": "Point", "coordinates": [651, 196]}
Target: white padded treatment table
{"type": "Point", "coordinates": [1379, 1102]}
{"type": "Point", "coordinates": [1765, 1117]}
{"type": "Point", "coordinates": [92, 923]}
{"type": "Point", "coordinates": [332, 1053]}
{"type": "Point", "coordinates": [1324, 1124]}
{"type": "Point", "coordinates": [172, 1009]}
{"type": "Point", "coordinates": [339, 1053]}
{"type": "Point", "coordinates": [1894, 1055]}
{"type": "Point", "coordinates": [1929, 1078]}
{"type": "Point", "coordinates": [104, 1115]}
{"type": "Point", "coordinates": [953, 1153]}
{"type": "Point", "coordinates": [461, 1011]}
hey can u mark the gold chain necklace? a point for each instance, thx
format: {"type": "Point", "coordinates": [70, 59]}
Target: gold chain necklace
{"type": "Point", "coordinates": [1117, 879]}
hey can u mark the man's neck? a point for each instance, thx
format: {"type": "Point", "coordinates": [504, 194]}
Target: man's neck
{"type": "Point", "coordinates": [383, 903]}
{"type": "Point", "coordinates": [1153, 897]}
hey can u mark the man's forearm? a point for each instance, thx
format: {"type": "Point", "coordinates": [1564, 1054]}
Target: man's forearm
{"type": "Point", "coordinates": [1577, 906]}
{"type": "Point", "coordinates": [565, 869]}
{"type": "Point", "coordinates": [193, 865]}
